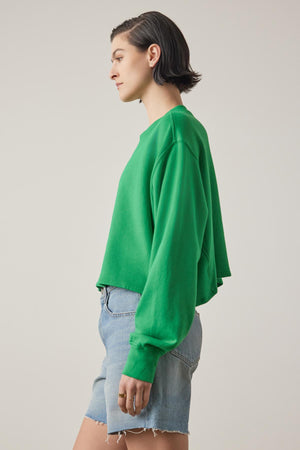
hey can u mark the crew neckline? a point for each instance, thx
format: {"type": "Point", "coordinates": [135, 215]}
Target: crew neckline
{"type": "Point", "coordinates": [152, 125]}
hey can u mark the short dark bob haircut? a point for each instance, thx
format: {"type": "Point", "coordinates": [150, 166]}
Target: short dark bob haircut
{"type": "Point", "coordinates": [173, 66]}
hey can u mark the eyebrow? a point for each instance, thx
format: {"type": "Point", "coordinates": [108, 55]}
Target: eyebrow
{"type": "Point", "coordinates": [122, 49]}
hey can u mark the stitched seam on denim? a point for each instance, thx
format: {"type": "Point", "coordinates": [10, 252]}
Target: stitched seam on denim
{"type": "Point", "coordinates": [184, 359]}
{"type": "Point", "coordinates": [128, 313]}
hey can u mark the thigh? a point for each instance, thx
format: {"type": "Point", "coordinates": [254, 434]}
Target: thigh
{"type": "Point", "coordinates": [158, 440]}
{"type": "Point", "coordinates": [93, 436]}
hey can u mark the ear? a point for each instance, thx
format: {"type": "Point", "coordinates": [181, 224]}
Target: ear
{"type": "Point", "coordinates": [154, 53]}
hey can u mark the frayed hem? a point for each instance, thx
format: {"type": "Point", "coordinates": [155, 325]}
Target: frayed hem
{"type": "Point", "coordinates": [124, 432]}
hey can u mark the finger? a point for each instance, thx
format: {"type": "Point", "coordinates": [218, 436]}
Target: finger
{"type": "Point", "coordinates": [122, 401]}
{"type": "Point", "coordinates": [122, 405]}
{"type": "Point", "coordinates": [146, 396]}
{"type": "Point", "coordinates": [129, 402]}
{"type": "Point", "coordinates": [138, 401]}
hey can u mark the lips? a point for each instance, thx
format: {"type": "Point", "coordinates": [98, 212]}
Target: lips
{"type": "Point", "coordinates": [118, 84]}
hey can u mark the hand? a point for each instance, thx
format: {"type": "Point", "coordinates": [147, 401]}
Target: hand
{"type": "Point", "coordinates": [133, 387]}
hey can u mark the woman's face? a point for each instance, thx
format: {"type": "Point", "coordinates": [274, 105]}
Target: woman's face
{"type": "Point", "coordinates": [131, 68]}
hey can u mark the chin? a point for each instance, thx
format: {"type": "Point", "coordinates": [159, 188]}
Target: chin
{"type": "Point", "coordinates": [129, 98]}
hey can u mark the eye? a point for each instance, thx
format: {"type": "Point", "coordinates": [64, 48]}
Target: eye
{"type": "Point", "coordinates": [120, 57]}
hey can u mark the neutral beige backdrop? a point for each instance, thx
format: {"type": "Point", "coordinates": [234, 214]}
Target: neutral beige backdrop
{"type": "Point", "coordinates": [65, 139]}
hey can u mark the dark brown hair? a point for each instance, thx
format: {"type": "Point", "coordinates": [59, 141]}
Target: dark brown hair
{"type": "Point", "coordinates": [153, 27]}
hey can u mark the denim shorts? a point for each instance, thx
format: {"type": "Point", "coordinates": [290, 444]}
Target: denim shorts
{"type": "Point", "coordinates": [170, 396]}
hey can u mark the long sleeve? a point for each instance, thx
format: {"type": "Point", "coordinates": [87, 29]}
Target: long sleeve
{"type": "Point", "coordinates": [166, 308]}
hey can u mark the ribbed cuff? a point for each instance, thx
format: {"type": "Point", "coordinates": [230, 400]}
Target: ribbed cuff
{"type": "Point", "coordinates": [141, 364]}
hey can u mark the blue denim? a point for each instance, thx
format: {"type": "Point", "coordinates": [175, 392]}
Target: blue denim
{"type": "Point", "coordinates": [169, 403]}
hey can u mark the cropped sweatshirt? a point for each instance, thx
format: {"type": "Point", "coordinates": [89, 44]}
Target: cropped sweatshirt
{"type": "Point", "coordinates": [166, 239]}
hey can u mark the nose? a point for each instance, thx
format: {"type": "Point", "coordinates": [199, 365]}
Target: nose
{"type": "Point", "coordinates": [113, 72]}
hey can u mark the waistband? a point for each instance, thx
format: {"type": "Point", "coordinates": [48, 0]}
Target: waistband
{"type": "Point", "coordinates": [107, 289]}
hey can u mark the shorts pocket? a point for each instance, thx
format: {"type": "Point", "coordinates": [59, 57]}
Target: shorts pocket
{"type": "Point", "coordinates": [120, 302]}
{"type": "Point", "coordinates": [100, 330]}
{"type": "Point", "coordinates": [102, 297]}
{"type": "Point", "coordinates": [105, 293]}
{"type": "Point", "coordinates": [189, 350]}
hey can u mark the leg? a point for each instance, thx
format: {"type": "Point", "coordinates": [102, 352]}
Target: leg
{"type": "Point", "coordinates": [153, 439]}
{"type": "Point", "coordinates": [93, 436]}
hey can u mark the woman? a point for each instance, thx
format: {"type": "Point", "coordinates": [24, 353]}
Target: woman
{"type": "Point", "coordinates": [165, 253]}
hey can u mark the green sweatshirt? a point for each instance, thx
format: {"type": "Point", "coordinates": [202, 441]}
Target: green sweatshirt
{"type": "Point", "coordinates": [166, 239]}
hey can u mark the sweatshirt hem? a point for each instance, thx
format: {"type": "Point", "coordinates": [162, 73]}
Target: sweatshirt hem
{"type": "Point", "coordinates": [118, 284]}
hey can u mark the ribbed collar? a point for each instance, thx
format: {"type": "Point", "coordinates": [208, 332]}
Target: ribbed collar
{"type": "Point", "coordinates": [153, 124]}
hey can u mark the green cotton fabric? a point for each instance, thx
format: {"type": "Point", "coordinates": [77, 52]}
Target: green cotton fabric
{"type": "Point", "coordinates": [166, 239]}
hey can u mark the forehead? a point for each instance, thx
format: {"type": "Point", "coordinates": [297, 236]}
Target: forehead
{"type": "Point", "coordinates": [119, 42]}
